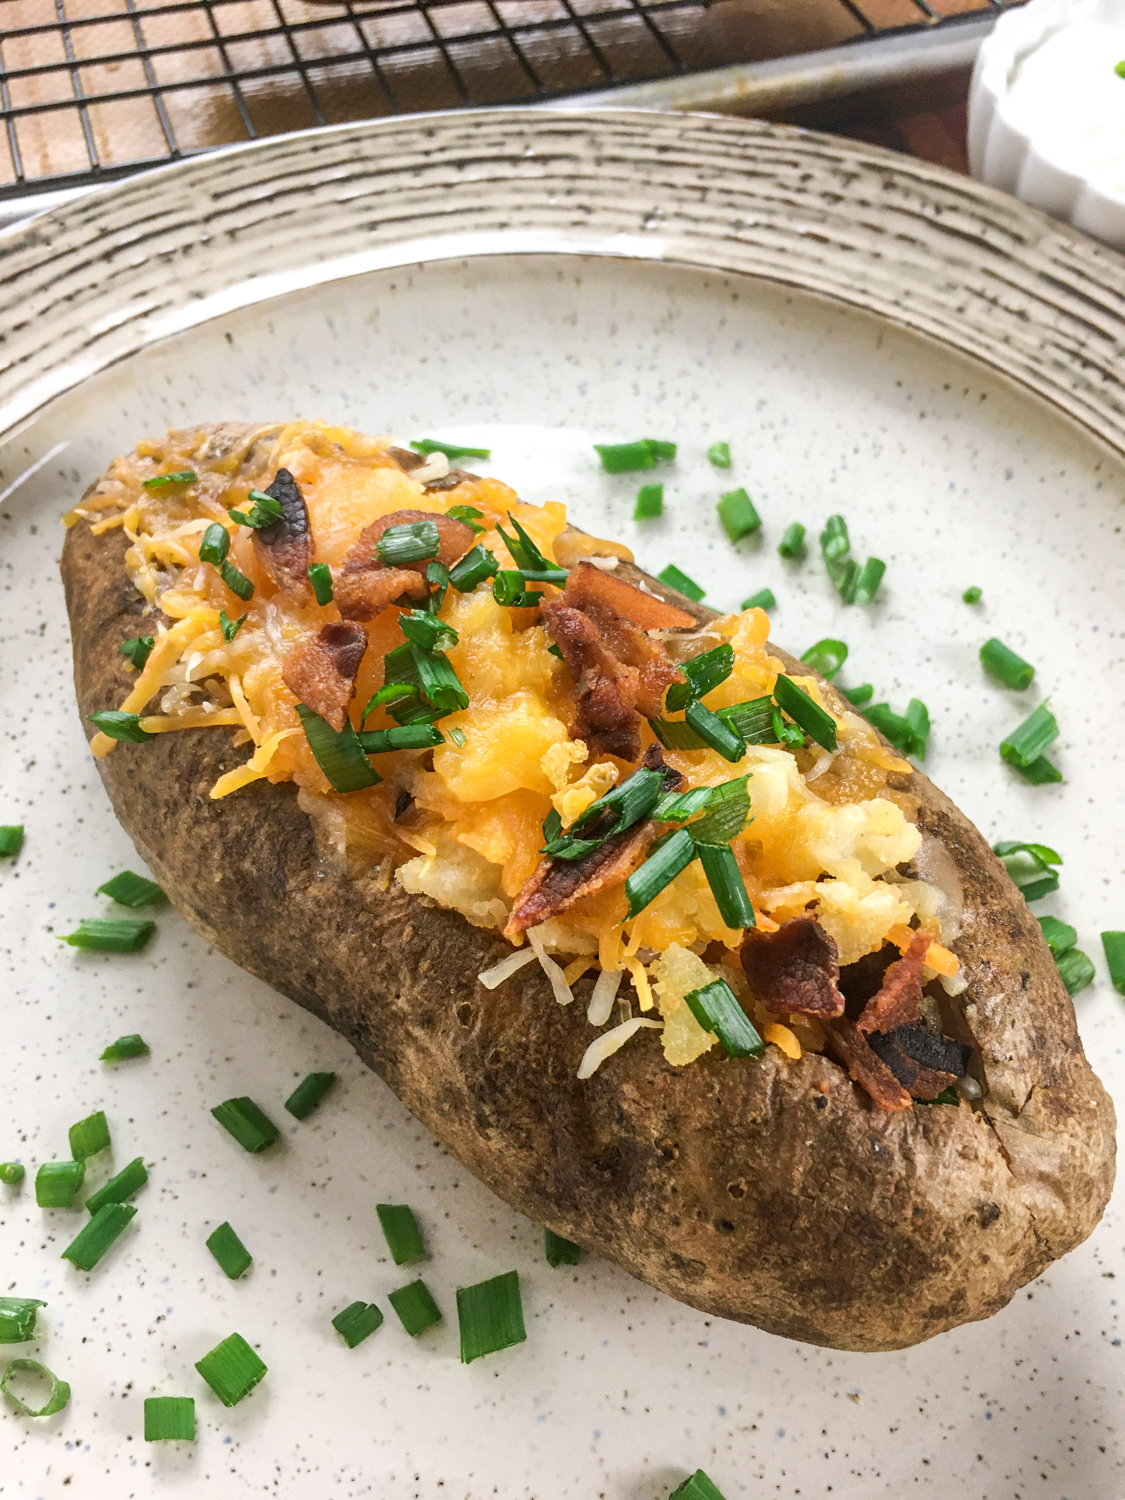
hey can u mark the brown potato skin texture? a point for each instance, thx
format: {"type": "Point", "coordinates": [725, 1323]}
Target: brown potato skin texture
{"type": "Point", "coordinates": [766, 1191]}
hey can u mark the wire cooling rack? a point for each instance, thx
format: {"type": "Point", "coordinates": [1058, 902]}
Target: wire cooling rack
{"type": "Point", "coordinates": [96, 89]}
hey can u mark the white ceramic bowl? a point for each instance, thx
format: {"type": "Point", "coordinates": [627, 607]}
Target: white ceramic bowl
{"type": "Point", "coordinates": [1002, 152]}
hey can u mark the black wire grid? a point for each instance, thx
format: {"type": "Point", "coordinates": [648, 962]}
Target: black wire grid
{"type": "Point", "coordinates": [96, 89]}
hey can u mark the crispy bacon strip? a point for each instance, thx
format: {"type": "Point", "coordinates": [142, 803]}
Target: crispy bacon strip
{"type": "Point", "coordinates": [866, 1067]}
{"type": "Point", "coordinates": [794, 970]}
{"type": "Point", "coordinates": [285, 548]}
{"type": "Point", "coordinates": [620, 674]}
{"type": "Point", "coordinates": [322, 672]}
{"type": "Point", "coordinates": [364, 586]}
{"type": "Point", "coordinates": [898, 1002]}
{"type": "Point", "coordinates": [919, 1081]}
{"type": "Point", "coordinates": [558, 883]}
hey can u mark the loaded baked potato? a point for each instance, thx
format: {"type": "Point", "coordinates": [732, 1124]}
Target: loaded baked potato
{"type": "Point", "coordinates": [814, 1068]}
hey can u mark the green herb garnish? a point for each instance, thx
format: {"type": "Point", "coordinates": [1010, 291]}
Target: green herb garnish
{"type": "Point", "coordinates": [413, 542]}
{"type": "Point", "coordinates": [1024, 747]}
{"type": "Point", "coordinates": [1076, 970]}
{"type": "Point", "coordinates": [477, 566]}
{"type": "Point", "coordinates": [320, 576]}
{"type": "Point", "coordinates": [229, 627]}
{"type": "Point", "coordinates": [401, 1232]}
{"type": "Point", "coordinates": [1113, 944]}
{"type": "Point", "coordinates": [490, 1315]}
{"type": "Point", "coordinates": [907, 732]}
{"type": "Point", "coordinates": [308, 1094]}
{"type": "Point", "coordinates": [817, 723]}
{"type": "Point", "coordinates": [232, 1369]}
{"type": "Point", "coordinates": [215, 545]}
{"type": "Point", "coordinates": [89, 1136]}
{"type": "Point", "coordinates": [667, 859]}
{"type": "Point", "coordinates": [675, 579]}
{"type": "Point", "coordinates": [138, 650]}
{"type": "Point", "coordinates": [169, 1419]}
{"type": "Point", "coordinates": [972, 595]}
{"type": "Point", "coordinates": [264, 511]}
{"type": "Point", "coordinates": [252, 1129]}
{"type": "Point", "coordinates": [17, 1319]}
{"type": "Point", "coordinates": [56, 1183]}
{"type": "Point", "coordinates": [237, 582]}
{"type": "Point", "coordinates": [339, 755]}
{"type": "Point", "coordinates": [858, 696]}
{"type": "Point", "coordinates": [11, 840]}
{"type": "Point", "coordinates": [719, 455]}
{"type": "Point", "coordinates": [132, 890]}
{"type": "Point", "coordinates": [125, 1047]}
{"type": "Point", "coordinates": [110, 934]}
{"type": "Point", "coordinates": [715, 1006]}
{"type": "Point", "coordinates": [1029, 866]}
{"type": "Point", "coordinates": [703, 673]}
{"type": "Point", "coordinates": [727, 885]}
{"type": "Point", "coordinates": [560, 1252]}
{"type": "Point", "coordinates": [57, 1397]}
{"type": "Point", "coordinates": [416, 1309]}
{"type": "Point", "coordinates": [650, 502]}
{"type": "Point", "coordinates": [160, 481]}
{"type": "Point", "coordinates": [826, 657]}
{"type": "Point", "coordinates": [623, 458]}
{"type": "Point", "coordinates": [763, 599]}
{"type": "Point", "coordinates": [229, 1251]}
{"type": "Point", "coordinates": [121, 1188]}
{"type": "Point", "coordinates": [121, 726]}
{"type": "Point", "coordinates": [95, 1238]}
{"type": "Point", "coordinates": [451, 450]}
{"type": "Point", "coordinates": [1003, 663]}
{"type": "Point", "coordinates": [698, 1487]}
{"type": "Point", "coordinates": [792, 543]}
{"type": "Point", "coordinates": [737, 513]}
{"type": "Point", "coordinates": [358, 1321]}
{"type": "Point", "coordinates": [12, 1173]}
{"type": "Point", "coordinates": [1060, 936]}
{"type": "Point", "coordinates": [469, 514]}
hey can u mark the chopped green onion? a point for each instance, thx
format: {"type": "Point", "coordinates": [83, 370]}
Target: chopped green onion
{"type": "Point", "coordinates": [703, 674]}
{"type": "Point", "coordinates": [128, 889]}
{"type": "Point", "coordinates": [715, 732]}
{"type": "Point", "coordinates": [237, 582]}
{"type": "Point", "coordinates": [508, 589]}
{"type": "Point", "coordinates": [229, 627]}
{"type": "Point", "coordinates": [675, 579]}
{"type": "Point", "coordinates": [1119, 68]}
{"type": "Point", "coordinates": [458, 737]}
{"type": "Point", "coordinates": [437, 576]}
{"type": "Point", "coordinates": [120, 1189]}
{"type": "Point", "coordinates": [784, 733]}
{"type": "Point", "coordinates": [110, 934]}
{"type": "Point", "coordinates": [528, 556]}
{"type": "Point", "coordinates": [17, 1319]}
{"type": "Point", "coordinates": [1003, 663]}
{"type": "Point", "coordinates": [426, 630]}
{"type": "Point", "coordinates": [229, 1251]}
{"type": "Point", "coordinates": [719, 455]}
{"type": "Point", "coordinates": [753, 720]}
{"type": "Point", "coordinates": [715, 1006]}
{"type": "Point", "coordinates": [159, 481]}
{"type": "Point", "coordinates": [792, 543]}
{"type": "Point", "coordinates": [868, 581]}
{"type": "Point", "coordinates": [308, 1094]}
{"type": "Point", "coordinates": [661, 448]}
{"type": "Point", "coordinates": [737, 513]}
{"type": "Point", "coordinates": [121, 726]}
{"type": "Point", "coordinates": [728, 807]}
{"type": "Point", "coordinates": [12, 1173]}
{"type": "Point", "coordinates": [357, 1322]}
{"type": "Point", "coordinates": [1029, 867]}
{"type": "Point", "coordinates": [552, 825]}
{"type": "Point", "coordinates": [677, 807]}
{"type": "Point", "coordinates": [252, 1129]}
{"type": "Point", "coordinates": [1026, 744]}
{"type": "Point", "coordinates": [438, 680]}
{"type": "Point", "coordinates": [401, 1232]}
{"type": "Point", "coordinates": [56, 1183]}
{"type": "Point", "coordinates": [1076, 970]}
{"type": "Point", "coordinates": [1114, 945]}
{"type": "Point", "coordinates": [89, 1136]}
{"type": "Point", "coordinates": [918, 717]}
{"type": "Point", "coordinates": [94, 1239]}
{"type": "Point", "coordinates": [674, 734]}
{"type": "Point", "coordinates": [415, 541]}
{"type": "Point", "coordinates": [618, 809]}
{"type": "Point", "coordinates": [846, 578]}
{"type": "Point", "coordinates": [138, 650]}
{"type": "Point", "coordinates": [232, 1369]}
{"type": "Point", "coordinates": [1041, 772]}
{"type": "Point", "coordinates": [858, 696]}
{"type": "Point", "coordinates": [826, 657]}
{"type": "Point", "coordinates": [560, 1252]}
{"type": "Point", "coordinates": [339, 756]}
{"type": "Point", "coordinates": [1060, 936]}
{"type": "Point", "coordinates": [817, 723]}
{"type": "Point", "coordinates": [320, 576]}
{"type": "Point", "coordinates": [659, 869]}
{"type": "Point", "coordinates": [416, 711]}
{"type": "Point", "coordinates": [972, 595]}
{"type": "Point", "coordinates": [650, 502]}
{"type": "Point", "coordinates": [763, 599]}
{"type": "Point", "coordinates": [469, 515]}
{"type": "Point", "coordinates": [169, 1419]}
{"type": "Point", "coordinates": [908, 733]}
{"type": "Point", "coordinates": [215, 545]}
{"type": "Point", "coordinates": [490, 1315]}
{"type": "Point", "coordinates": [623, 458]}
{"type": "Point", "coordinates": [125, 1047]}
{"type": "Point", "coordinates": [416, 1309]}
{"type": "Point", "coordinates": [727, 885]}
{"type": "Point", "coordinates": [57, 1398]}
{"type": "Point", "coordinates": [698, 1487]}
{"type": "Point", "coordinates": [835, 543]}
{"type": "Point", "coordinates": [11, 840]}
{"type": "Point", "coordinates": [393, 692]}
{"type": "Point", "coordinates": [264, 511]}
{"type": "Point", "coordinates": [451, 450]}
{"type": "Point", "coordinates": [477, 565]}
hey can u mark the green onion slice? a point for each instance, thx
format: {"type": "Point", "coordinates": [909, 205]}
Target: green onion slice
{"type": "Point", "coordinates": [1004, 664]}
{"type": "Point", "coordinates": [169, 1419]}
{"type": "Point", "coordinates": [121, 1188]}
{"type": "Point", "coordinates": [826, 657]}
{"type": "Point", "coordinates": [1041, 772]}
{"type": "Point", "coordinates": [437, 576]}
{"type": "Point", "coordinates": [121, 726]}
{"type": "Point", "coordinates": [703, 673]}
{"type": "Point", "coordinates": [426, 630]}
{"type": "Point", "coordinates": [661, 867]}
{"type": "Point", "coordinates": [918, 717]}
{"type": "Point", "coordinates": [737, 513]}
{"type": "Point", "coordinates": [1076, 970]}
{"type": "Point", "coordinates": [415, 541]}
{"type": "Point", "coordinates": [1113, 944]}
{"type": "Point", "coordinates": [89, 1136]}
{"type": "Point", "coordinates": [1026, 744]}
{"type": "Point", "coordinates": [57, 1398]}
{"type": "Point", "coordinates": [94, 1239]}
{"type": "Point", "coordinates": [785, 733]}
{"type": "Point", "coordinates": [868, 581]}
{"type": "Point", "coordinates": [110, 934]}
{"type": "Point", "coordinates": [792, 543]}
{"type": "Point", "coordinates": [894, 727]}
{"type": "Point", "coordinates": [674, 734]}
{"type": "Point", "coordinates": [339, 756]}
{"type": "Point", "coordinates": [357, 1322]}
{"type": "Point", "coordinates": [264, 511]}
{"type": "Point", "coordinates": [624, 458]}
{"type": "Point", "coordinates": [858, 696]}
{"type": "Point", "coordinates": [618, 809]}
{"type": "Point", "coordinates": [393, 692]}
{"type": "Point", "coordinates": [508, 589]}
{"type": "Point", "coordinates": [401, 1232]}
{"type": "Point", "coordinates": [560, 1252]}
{"type": "Point", "coordinates": [229, 1251]}
{"type": "Point", "coordinates": [715, 1006]}
{"type": "Point", "coordinates": [232, 1369]}
{"type": "Point", "coordinates": [490, 1315]}
{"type": "Point", "coordinates": [469, 515]}
{"type": "Point", "coordinates": [237, 582]}
{"type": "Point", "coordinates": [528, 557]}
{"type": "Point", "coordinates": [719, 455]}
{"type": "Point", "coordinates": [697, 1487]}
{"type": "Point", "coordinates": [972, 595]}
{"type": "Point", "coordinates": [728, 807]}
{"type": "Point", "coordinates": [132, 890]}
{"type": "Point", "coordinates": [650, 502]}
{"type": "Point", "coordinates": [458, 736]}
{"type": "Point", "coordinates": [727, 885]}
{"type": "Point", "coordinates": [677, 807]}
{"type": "Point", "coordinates": [753, 720]}
{"type": "Point", "coordinates": [817, 723]}
{"type": "Point", "coordinates": [56, 1183]}
{"type": "Point", "coordinates": [438, 680]}
{"type": "Point", "coordinates": [763, 599]}
{"type": "Point", "coordinates": [308, 1094]}
{"type": "Point", "coordinates": [835, 543]}
{"type": "Point", "coordinates": [125, 1047]}
{"type": "Point", "coordinates": [17, 1319]}
{"type": "Point", "coordinates": [1060, 936]}
{"type": "Point", "coordinates": [320, 576]}
{"type": "Point", "coordinates": [215, 545]}
{"type": "Point", "coordinates": [477, 566]}
{"type": "Point", "coordinates": [229, 627]}
{"type": "Point", "coordinates": [251, 1128]}
{"type": "Point", "coordinates": [1029, 865]}
{"type": "Point", "coordinates": [715, 732]}
{"type": "Point", "coordinates": [160, 481]}
{"type": "Point", "coordinates": [11, 840]}
{"type": "Point", "coordinates": [451, 450]}
{"type": "Point", "coordinates": [675, 579]}
{"type": "Point", "coordinates": [416, 1309]}
{"type": "Point", "coordinates": [138, 650]}
{"type": "Point", "coordinates": [12, 1173]}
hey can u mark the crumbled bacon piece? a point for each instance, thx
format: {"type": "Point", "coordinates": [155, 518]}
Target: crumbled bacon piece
{"type": "Point", "coordinates": [866, 1067]}
{"type": "Point", "coordinates": [620, 674]}
{"type": "Point", "coordinates": [558, 883]}
{"type": "Point", "coordinates": [899, 1000]}
{"type": "Point", "coordinates": [794, 970]}
{"type": "Point", "coordinates": [407, 459]}
{"type": "Point", "coordinates": [645, 611]}
{"type": "Point", "coordinates": [364, 586]}
{"type": "Point", "coordinates": [322, 672]}
{"type": "Point", "coordinates": [364, 593]}
{"type": "Point", "coordinates": [284, 548]}
{"type": "Point", "coordinates": [919, 1081]}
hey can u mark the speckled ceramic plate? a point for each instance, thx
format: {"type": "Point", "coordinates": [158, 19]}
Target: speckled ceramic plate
{"type": "Point", "coordinates": [872, 337]}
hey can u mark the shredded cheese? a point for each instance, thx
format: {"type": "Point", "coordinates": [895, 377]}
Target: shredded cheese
{"type": "Point", "coordinates": [254, 769]}
{"type": "Point", "coordinates": [606, 986]}
{"type": "Point", "coordinates": [497, 974]}
{"type": "Point", "coordinates": [640, 982]}
{"type": "Point", "coordinates": [563, 992]}
{"type": "Point", "coordinates": [782, 1037]}
{"type": "Point", "coordinates": [610, 1042]}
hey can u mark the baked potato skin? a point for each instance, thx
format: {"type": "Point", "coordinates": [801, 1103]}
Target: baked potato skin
{"type": "Point", "coordinates": [768, 1191]}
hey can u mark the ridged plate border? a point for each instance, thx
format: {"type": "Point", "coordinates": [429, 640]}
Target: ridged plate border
{"type": "Point", "coordinates": [95, 281]}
